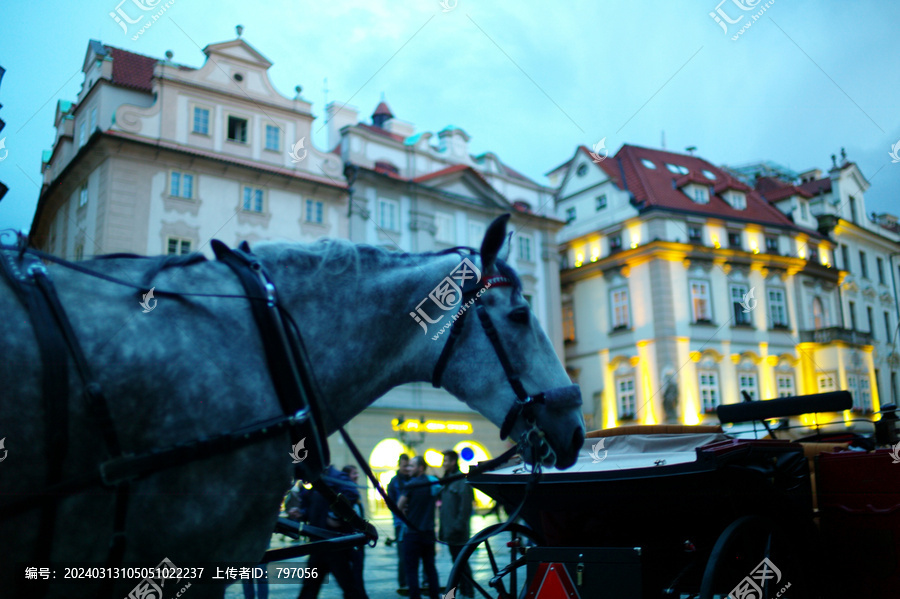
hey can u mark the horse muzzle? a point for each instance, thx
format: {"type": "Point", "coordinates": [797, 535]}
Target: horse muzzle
{"type": "Point", "coordinates": [563, 450]}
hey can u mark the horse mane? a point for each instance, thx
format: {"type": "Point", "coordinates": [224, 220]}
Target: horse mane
{"type": "Point", "coordinates": [340, 256]}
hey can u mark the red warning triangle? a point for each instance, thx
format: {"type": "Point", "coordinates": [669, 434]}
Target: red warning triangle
{"type": "Point", "coordinates": [552, 581]}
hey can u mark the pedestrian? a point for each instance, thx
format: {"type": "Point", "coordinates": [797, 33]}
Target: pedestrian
{"type": "Point", "coordinates": [337, 562]}
{"type": "Point", "coordinates": [394, 489]}
{"type": "Point", "coordinates": [456, 514]}
{"type": "Point", "coordinates": [417, 502]}
{"type": "Point", "coordinates": [358, 553]}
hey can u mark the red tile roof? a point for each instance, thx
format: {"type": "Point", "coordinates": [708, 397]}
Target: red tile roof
{"type": "Point", "coordinates": [731, 184]}
{"type": "Point", "coordinates": [380, 131]}
{"type": "Point", "coordinates": [132, 70]}
{"type": "Point", "coordinates": [382, 108]}
{"type": "Point", "coordinates": [655, 187]}
{"type": "Point", "coordinates": [445, 171]}
{"type": "Point", "coordinates": [775, 189]}
{"type": "Point", "coordinates": [817, 186]}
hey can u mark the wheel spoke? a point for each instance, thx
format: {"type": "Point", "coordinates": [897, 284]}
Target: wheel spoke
{"type": "Point", "coordinates": [490, 552]}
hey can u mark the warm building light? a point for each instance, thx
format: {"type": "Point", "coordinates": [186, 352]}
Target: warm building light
{"type": "Point", "coordinates": [434, 458]}
{"type": "Point", "coordinates": [634, 244]}
{"type": "Point", "coordinates": [801, 251]}
{"type": "Point", "coordinates": [579, 259]}
{"type": "Point", "coordinates": [823, 257]}
{"type": "Point", "coordinates": [715, 240]}
{"type": "Point", "coordinates": [754, 246]}
{"type": "Point", "coordinates": [432, 426]}
{"type": "Point", "coordinates": [595, 253]}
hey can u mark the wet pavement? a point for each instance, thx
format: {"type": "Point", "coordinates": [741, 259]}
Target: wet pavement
{"type": "Point", "coordinates": [380, 566]}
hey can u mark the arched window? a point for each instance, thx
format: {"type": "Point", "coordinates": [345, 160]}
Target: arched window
{"type": "Point", "coordinates": [819, 318]}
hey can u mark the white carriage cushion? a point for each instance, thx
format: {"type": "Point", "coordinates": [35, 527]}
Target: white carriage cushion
{"type": "Point", "coordinates": [655, 429]}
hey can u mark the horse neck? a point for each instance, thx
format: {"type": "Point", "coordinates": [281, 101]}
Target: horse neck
{"type": "Point", "coordinates": [359, 333]}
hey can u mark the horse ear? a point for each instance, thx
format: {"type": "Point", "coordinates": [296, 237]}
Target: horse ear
{"type": "Point", "coordinates": [493, 241]}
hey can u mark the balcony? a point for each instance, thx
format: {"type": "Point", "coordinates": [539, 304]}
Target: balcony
{"type": "Point", "coordinates": [835, 334]}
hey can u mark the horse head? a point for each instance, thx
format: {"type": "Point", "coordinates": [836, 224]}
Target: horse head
{"type": "Point", "coordinates": [498, 360]}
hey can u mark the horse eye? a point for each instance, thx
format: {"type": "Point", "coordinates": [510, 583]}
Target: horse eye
{"type": "Point", "coordinates": [519, 315]}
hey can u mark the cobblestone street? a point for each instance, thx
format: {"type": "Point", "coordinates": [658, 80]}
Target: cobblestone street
{"type": "Point", "coordinates": [380, 567]}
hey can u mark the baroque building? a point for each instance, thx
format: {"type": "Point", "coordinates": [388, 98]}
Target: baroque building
{"type": "Point", "coordinates": [684, 287]}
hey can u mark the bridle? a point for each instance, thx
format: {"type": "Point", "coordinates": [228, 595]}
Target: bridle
{"type": "Point", "coordinates": [525, 406]}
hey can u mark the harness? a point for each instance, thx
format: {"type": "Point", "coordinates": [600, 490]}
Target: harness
{"type": "Point", "coordinates": [289, 370]}
{"type": "Point", "coordinates": [525, 406]}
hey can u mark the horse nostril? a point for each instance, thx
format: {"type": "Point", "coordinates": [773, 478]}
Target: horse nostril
{"type": "Point", "coordinates": [577, 439]}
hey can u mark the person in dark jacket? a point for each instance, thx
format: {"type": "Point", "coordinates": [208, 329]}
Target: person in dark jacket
{"type": "Point", "coordinates": [339, 562]}
{"type": "Point", "coordinates": [456, 513]}
{"type": "Point", "coordinates": [418, 501]}
{"type": "Point", "coordinates": [395, 487]}
{"type": "Point", "coordinates": [359, 553]}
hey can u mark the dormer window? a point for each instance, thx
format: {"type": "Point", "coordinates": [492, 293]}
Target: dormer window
{"type": "Point", "coordinates": [736, 199]}
{"type": "Point", "coordinates": [698, 193]}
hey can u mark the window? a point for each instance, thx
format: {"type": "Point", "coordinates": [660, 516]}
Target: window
{"type": "Point", "coordinates": [845, 257]}
{"type": "Point", "coordinates": [177, 246]}
{"type": "Point", "coordinates": [852, 306]}
{"type": "Point", "coordinates": [777, 309]}
{"type": "Point", "coordinates": [738, 292]}
{"type": "Point", "coordinates": [476, 234]}
{"type": "Point", "coordinates": [853, 215]}
{"type": "Point", "coordinates": [699, 194]}
{"type": "Point", "coordinates": [771, 245]}
{"type": "Point", "coordinates": [677, 169]}
{"type": "Point", "coordinates": [315, 211]}
{"type": "Point", "coordinates": [570, 215]}
{"type": "Point", "coordinates": [93, 119]}
{"type": "Point", "coordinates": [858, 386]}
{"type": "Point", "coordinates": [871, 319]}
{"type": "Point", "coordinates": [804, 210]}
{"type": "Point", "coordinates": [619, 301]}
{"type": "Point", "coordinates": [700, 301]}
{"type": "Point", "coordinates": [695, 234]}
{"type": "Point", "coordinates": [615, 243]}
{"type": "Point", "coordinates": [648, 164]}
{"type": "Point", "coordinates": [387, 215]}
{"type": "Point", "coordinates": [79, 251]}
{"type": "Point", "coordinates": [82, 134]}
{"type": "Point", "coordinates": [581, 170]}
{"type": "Point", "coordinates": [568, 322]}
{"type": "Point", "coordinates": [181, 185]}
{"type": "Point", "coordinates": [894, 386]}
{"type": "Point", "coordinates": [237, 129]}
{"type": "Point", "coordinates": [525, 248]}
{"type": "Point", "coordinates": [785, 384]}
{"type": "Point", "coordinates": [446, 227]}
{"type": "Point", "coordinates": [825, 383]}
{"type": "Point", "coordinates": [863, 267]}
{"type": "Point", "coordinates": [747, 382]}
{"type": "Point", "coordinates": [709, 390]}
{"type": "Point", "coordinates": [253, 199]}
{"type": "Point", "coordinates": [734, 239]}
{"type": "Point", "coordinates": [601, 202]}
{"type": "Point", "coordinates": [625, 397]}
{"type": "Point", "coordinates": [887, 327]}
{"type": "Point", "coordinates": [83, 195]}
{"type": "Point", "coordinates": [709, 175]}
{"type": "Point", "coordinates": [819, 319]}
{"type": "Point", "coordinates": [879, 268]}
{"type": "Point", "coordinates": [737, 200]}
{"type": "Point", "coordinates": [201, 121]}
{"type": "Point", "coordinates": [273, 138]}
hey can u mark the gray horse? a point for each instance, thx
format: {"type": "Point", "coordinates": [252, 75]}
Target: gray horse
{"type": "Point", "coordinates": [195, 366]}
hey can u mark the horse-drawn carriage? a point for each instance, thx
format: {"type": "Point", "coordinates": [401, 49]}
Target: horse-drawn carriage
{"type": "Point", "coordinates": [688, 511]}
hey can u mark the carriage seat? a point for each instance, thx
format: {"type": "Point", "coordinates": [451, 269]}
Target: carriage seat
{"type": "Point", "coordinates": [811, 450]}
{"type": "Point", "coordinates": [655, 429]}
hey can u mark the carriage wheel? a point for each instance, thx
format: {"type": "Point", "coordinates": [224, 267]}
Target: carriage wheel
{"type": "Point", "coordinates": [740, 549]}
{"type": "Point", "coordinates": [489, 578]}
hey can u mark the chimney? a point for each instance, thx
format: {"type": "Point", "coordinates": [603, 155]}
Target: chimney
{"type": "Point", "coordinates": [339, 116]}
{"type": "Point", "coordinates": [453, 141]}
